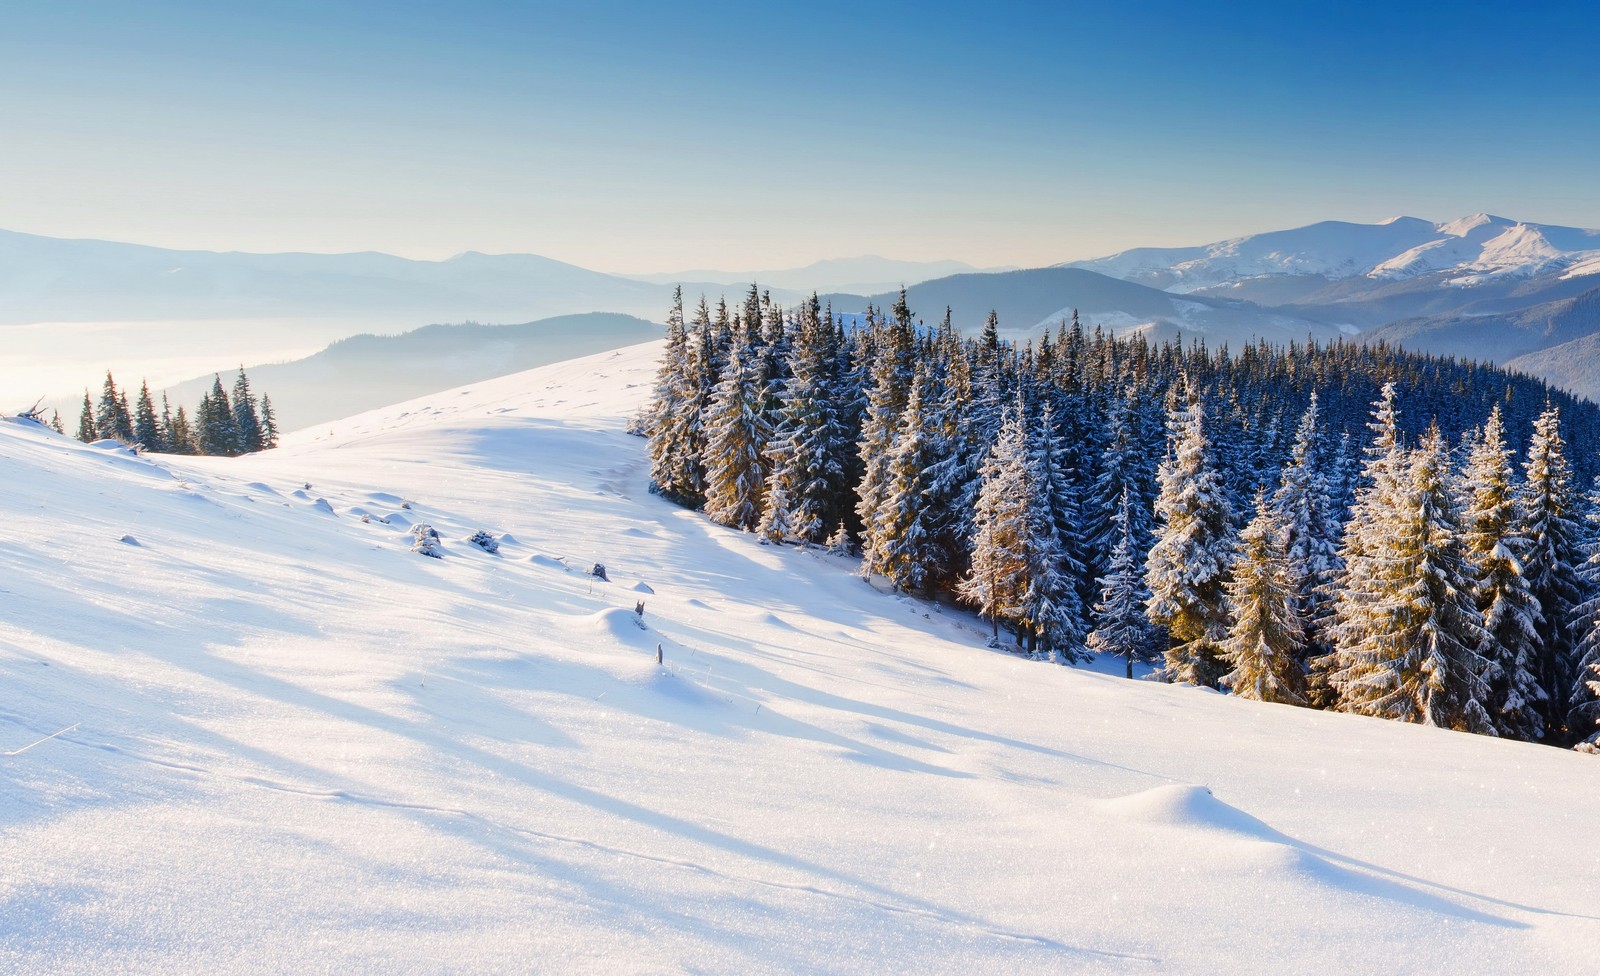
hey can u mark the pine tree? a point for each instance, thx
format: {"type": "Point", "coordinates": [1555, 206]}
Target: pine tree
{"type": "Point", "coordinates": [1367, 555]}
{"type": "Point", "coordinates": [1266, 643]}
{"type": "Point", "coordinates": [1121, 628]}
{"type": "Point", "coordinates": [146, 429]}
{"type": "Point", "coordinates": [1493, 548]}
{"type": "Point", "coordinates": [1311, 527]}
{"type": "Point", "coordinates": [55, 422]}
{"type": "Point", "coordinates": [806, 489]}
{"type": "Point", "coordinates": [1186, 570]}
{"type": "Point", "coordinates": [246, 421]}
{"type": "Point", "coordinates": [994, 583]}
{"type": "Point", "coordinates": [1054, 518]}
{"type": "Point", "coordinates": [216, 432]}
{"type": "Point", "coordinates": [840, 543]}
{"type": "Point", "coordinates": [735, 479]}
{"type": "Point", "coordinates": [111, 419]}
{"type": "Point", "coordinates": [1548, 513]}
{"type": "Point", "coordinates": [892, 374]}
{"type": "Point", "coordinates": [87, 431]}
{"type": "Point", "coordinates": [899, 540]}
{"type": "Point", "coordinates": [1583, 697]}
{"type": "Point", "coordinates": [269, 424]}
{"type": "Point", "coordinates": [1418, 659]}
{"type": "Point", "coordinates": [181, 437]}
{"type": "Point", "coordinates": [674, 417]}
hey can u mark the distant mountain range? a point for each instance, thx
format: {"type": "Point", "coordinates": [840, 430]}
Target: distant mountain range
{"type": "Point", "coordinates": [861, 276]}
{"type": "Point", "coordinates": [1522, 294]}
{"type": "Point", "coordinates": [365, 372]}
{"type": "Point", "coordinates": [1466, 252]}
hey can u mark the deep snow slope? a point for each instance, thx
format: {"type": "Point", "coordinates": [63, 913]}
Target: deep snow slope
{"type": "Point", "coordinates": [297, 746]}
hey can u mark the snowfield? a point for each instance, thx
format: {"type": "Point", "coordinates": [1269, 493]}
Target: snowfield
{"type": "Point", "coordinates": [295, 745]}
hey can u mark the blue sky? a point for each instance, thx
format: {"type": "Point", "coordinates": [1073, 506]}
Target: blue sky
{"type": "Point", "coordinates": [654, 137]}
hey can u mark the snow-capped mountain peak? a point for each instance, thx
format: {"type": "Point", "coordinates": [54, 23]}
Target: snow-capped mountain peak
{"type": "Point", "coordinates": [1467, 250]}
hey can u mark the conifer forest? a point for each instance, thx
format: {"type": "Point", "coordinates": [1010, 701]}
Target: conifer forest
{"type": "Point", "coordinates": [1342, 526]}
{"type": "Point", "coordinates": [221, 425]}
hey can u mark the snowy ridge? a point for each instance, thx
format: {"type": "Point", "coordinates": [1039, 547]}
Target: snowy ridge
{"type": "Point", "coordinates": [1466, 251]}
{"type": "Point", "coordinates": [474, 763]}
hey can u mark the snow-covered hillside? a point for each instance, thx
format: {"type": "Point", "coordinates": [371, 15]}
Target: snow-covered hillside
{"type": "Point", "coordinates": [1466, 251]}
{"type": "Point", "coordinates": [294, 745]}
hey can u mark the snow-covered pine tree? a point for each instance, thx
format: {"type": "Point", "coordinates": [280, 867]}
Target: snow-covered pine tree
{"type": "Point", "coordinates": [1418, 659]}
{"type": "Point", "coordinates": [269, 424]}
{"type": "Point", "coordinates": [998, 567]}
{"type": "Point", "coordinates": [1266, 643]}
{"type": "Point", "coordinates": [953, 489]}
{"type": "Point", "coordinates": [674, 417]}
{"type": "Point", "coordinates": [1187, 568]}
{"type": "Point", "coordinates": [1583, 697]}
{"type": "Point", "coordinates": [146, 429]}
{"type": "Point", "coordinates": [180, 437]}
{"type": "Point", "coordinates": [1054, 519]}
{"type": "Point", "coordinates": [1121, 628]}
{"type": "Point", "coordinates": [1366, 554]}
{"type": "Point", "coordinates": [840, 543]}
{"type": "Point", "coordinates": [735, 475]}
{"type": "Point", "coordinates": [112, 420]}
{"type": "Point", "coordinates": [899, 539]}
{"type": "Point", "coordinates": [246, 420]}
{"type": "Point", "coordinates": [1548, 512]}
{"type": "Point", "coordinates": [1493, 549]}
{"type": "Point", "coordinates": [87, 431]}
{"type": "Point", "coordinates": [217, 433]}
{"type": "Point", "coordinates": [892, 370]}
{"type": "Point", "coordinates": [806, 492]}
{"type": "Point", "coordinates": [1311, 528]}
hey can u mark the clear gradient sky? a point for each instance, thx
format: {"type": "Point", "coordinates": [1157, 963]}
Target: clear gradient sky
{"type": "Point", "coordinates": [644, 136]}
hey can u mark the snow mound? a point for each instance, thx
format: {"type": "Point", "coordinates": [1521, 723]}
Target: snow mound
{"type": "Point", "coordinates": [623, 627]}
{"type": "Point", "coordinates": [1190, 807]}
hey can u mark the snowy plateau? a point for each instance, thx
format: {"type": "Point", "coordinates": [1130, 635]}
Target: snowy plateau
{"type": "Point", "coordinates": [295, 745]}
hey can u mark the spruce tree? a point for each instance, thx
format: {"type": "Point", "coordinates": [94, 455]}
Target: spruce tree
{"type": "Point", "coordinates": [182, 437]}
{"type": "Point", "coordinates": [1494, 549]}
{"type": "Point", "coordinates": [1548, 512]}
{"type": "Point", "coordinates": [1054, 519]}
{"type": "Point", "coordinates": [806, 490]}
{"type": "Point", "coordinates": [111, 418]}
{"type": "Point", "coordinates": [1310, 525]}
{"type": "Point", "coordinates": [1583, 696]}
{"type": "Point", "coordinates": [1367, 555]}
{"type": "Point", "coordinates": [269, 424]}
{"type": "Point", "coordinates": [892, 371]}
{"type": "Point", "coordinates": [899, 539]}
{"type": "Point", "coordinates": [673, 417]}
{"type": "Point", "coordinates": [146, 429]}
{"type": "Point", "coordinates": [246, 421]}
{"type": "Point", "coordinates": [87, 431]}
{"type": "Point", "coordinates": [1418, 659]}
{"type": "Point", "coordinates": [1266, 643]}
{"type": "Point", "coordinates": [998, 567]}
{"type": "Point", "coordinates": [1121, 628]}
{"type": "Point", "coordinates": [1186, 570]}
{"type": "Point", "coordinates": [735, 478]}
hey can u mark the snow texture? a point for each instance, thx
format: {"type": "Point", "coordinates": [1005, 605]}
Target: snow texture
{"type": "Point", "coordinates": [288, 745]}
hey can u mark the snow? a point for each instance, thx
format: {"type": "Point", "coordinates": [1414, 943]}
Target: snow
{"type": "Point", "coordinates": [299, 746]}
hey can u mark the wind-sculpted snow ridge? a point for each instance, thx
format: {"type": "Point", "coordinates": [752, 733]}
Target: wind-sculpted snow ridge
{"type": "Point", "coordinates": [289, 743]}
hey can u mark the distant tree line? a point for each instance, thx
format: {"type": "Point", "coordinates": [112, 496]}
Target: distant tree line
{"type": "Point", "coordinates": [221, 425]}
{"type": "Point", "coordinates": [1269, 522]}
